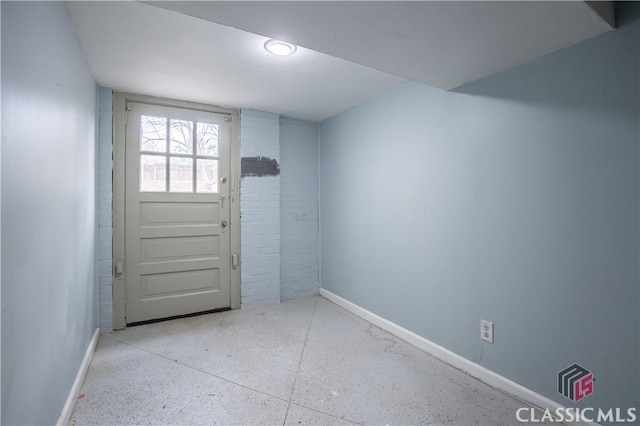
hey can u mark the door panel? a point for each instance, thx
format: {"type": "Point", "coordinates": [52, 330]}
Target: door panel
{"type": "Point", "coordinates": [177, 246]}
{"type": "Point", "coordinates": [177, 283]}
{"type": "Point", "coordinates": [182, 213]}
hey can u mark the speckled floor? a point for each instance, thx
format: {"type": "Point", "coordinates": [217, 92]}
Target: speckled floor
{"type": "Point", "coordinates": [305, 361]}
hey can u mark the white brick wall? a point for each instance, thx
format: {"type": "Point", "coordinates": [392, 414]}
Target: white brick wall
{"type": "Point", "coordinates": [105, 223]}
{"type": "Point", "coordinates": [299, 262]}
{"type": "Point", "coordinates": [260, 210]}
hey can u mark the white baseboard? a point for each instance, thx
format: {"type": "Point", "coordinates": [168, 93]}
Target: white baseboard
{"type": "Point", "coordinates": [475, 370]}
{"type": "Point", "coordinates": [65, 417]}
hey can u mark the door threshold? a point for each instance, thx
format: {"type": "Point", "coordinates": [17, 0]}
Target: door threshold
{"type": "Point", "coordinates": [195, 314]}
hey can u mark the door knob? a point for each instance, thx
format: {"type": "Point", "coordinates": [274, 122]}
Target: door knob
{"type": "Point", "coordinates": [223, 179]}
{"type": "Point", "coordinates": [224, 225]}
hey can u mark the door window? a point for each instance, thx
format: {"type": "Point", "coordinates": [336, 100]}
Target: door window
{"type": "Point", "coordinates": [178, 155]}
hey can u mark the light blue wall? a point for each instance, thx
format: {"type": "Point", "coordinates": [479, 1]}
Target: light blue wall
{"type": "Point", "coordinates": [105, 208]}
{"type": "Point", "coordinates": [298, 209]}
{"type": "Point", "coordinates": [279, 227]}
{"type": "Point", "coordinates": [49, 297]}
{"type": "Point", "coordinates": [260, 210]}
{"type": "Point", "coordinates": [515, 200]}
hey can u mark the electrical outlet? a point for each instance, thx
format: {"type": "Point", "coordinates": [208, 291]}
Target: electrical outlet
{"type": "Point", "coordinates": [486, 331]}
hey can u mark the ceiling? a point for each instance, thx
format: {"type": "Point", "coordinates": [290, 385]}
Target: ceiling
{"type": "Point", "coordinates": [138, 48]}
{"type": "Point", "coordinates": [211, 51]}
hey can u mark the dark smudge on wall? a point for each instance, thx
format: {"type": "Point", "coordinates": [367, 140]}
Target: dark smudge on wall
{"type": "Point", "coordinates": [259, 166]}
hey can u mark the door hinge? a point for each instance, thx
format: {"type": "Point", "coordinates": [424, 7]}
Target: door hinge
{"type": "Point", "coordinates": [118, 269]}
{"type": "Point", "coordinates": [234, 261]}
{"type": "Point", "coordinates": [127, 108]}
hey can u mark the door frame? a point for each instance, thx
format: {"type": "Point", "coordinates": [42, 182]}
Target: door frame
{"type": "Point", "coordinates": [119, 137]}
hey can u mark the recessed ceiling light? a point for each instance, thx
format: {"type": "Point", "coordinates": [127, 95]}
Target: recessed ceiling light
{"type": "Point", "coordinates": [279, 48]}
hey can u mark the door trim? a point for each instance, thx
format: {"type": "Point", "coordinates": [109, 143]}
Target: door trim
{"type": "Point", "coordinates": [119, 120]}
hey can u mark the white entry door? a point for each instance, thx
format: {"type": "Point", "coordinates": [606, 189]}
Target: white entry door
{"type": "Point", "coordinates": [177, 251]}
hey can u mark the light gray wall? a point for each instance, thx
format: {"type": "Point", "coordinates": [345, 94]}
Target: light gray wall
{"type": "Point", "coordinates": [514, 200]}
{"type": "Point", "coordinates": [49, 297]}
{"type": "Point", "coordinates": [260, 210]}
{"type": "Point", "coordinates": [299, 238]}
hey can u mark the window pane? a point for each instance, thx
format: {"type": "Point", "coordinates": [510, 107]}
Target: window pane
{"type": "Point", "coordinates": [153, 172]}
{"type": "Point", "coordinates": [208, 139]}
{"type": "Point", "coordinates": [153, 134]}
{"type": "Point", "coordinates": [181, 175]}
{"type": "Point", "coordinates": [181, 137]}
{"type": "Point", "coordinates": [207, 175]}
